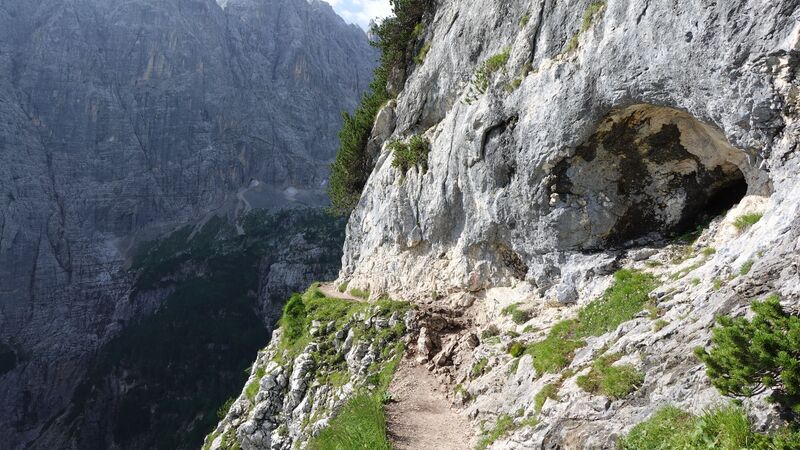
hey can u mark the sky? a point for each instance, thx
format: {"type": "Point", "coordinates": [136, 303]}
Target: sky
{"type": "Point", "coordinates": [360, 12]}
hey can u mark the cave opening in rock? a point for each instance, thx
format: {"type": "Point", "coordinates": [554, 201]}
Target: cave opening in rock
{"type": "Point", "coordinates": [647, 173]}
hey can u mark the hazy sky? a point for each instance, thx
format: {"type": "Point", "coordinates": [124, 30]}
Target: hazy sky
{"type": "Point", "coordinates": [361, 11]}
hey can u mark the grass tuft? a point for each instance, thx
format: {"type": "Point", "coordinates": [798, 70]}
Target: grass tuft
{"type": "Point", "coordinates": [479, 367]}
{"type": "Point", "coordinates": [359, 293]}
{"type": "Point", "coordinates": [724, 427]}
{"type": "Point", "coordinates": [411, 154]}
{"type": "Point", "coordinates": [518, 316]}
{"type": "Point", "coordinates": [548, 391]}
{"type": "Point", "coordinates": [745, 221]}
{"type": "Point", "coordinates": [611, 381]}
{"type": "Point", "coordinates": [745, 269]}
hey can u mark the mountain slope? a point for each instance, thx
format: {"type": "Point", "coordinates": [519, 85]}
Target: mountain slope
{"type": "Point", "coordinates": [120, 119]}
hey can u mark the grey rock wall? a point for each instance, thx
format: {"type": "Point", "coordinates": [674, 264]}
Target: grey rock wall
{"type": "Point", "coordinates": [509, 168]}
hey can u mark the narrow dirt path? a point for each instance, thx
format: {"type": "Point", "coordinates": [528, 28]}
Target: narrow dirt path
{"type": "Point", "coordinates": [420, 417]}
{"type": "Point", "coordinates": [330, 291]}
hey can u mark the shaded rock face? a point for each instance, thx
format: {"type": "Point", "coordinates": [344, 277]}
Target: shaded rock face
{"type": "Point", "coordinates": [645, 170]}
{"type": "Point", "coordinates": [119, 119]}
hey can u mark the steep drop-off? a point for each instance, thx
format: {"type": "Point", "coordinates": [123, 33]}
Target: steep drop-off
{"type": "Point", "coordinates": [121, 120]}
{"type": "Point", "coordinates": [604, 180]}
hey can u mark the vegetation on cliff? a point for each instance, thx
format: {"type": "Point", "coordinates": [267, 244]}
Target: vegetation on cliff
{"type": "Point", "coordinates": [749, 357]}
{"type": "Point", "coordinates": [396, 38]}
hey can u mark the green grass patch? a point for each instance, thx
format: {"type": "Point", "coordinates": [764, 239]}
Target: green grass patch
{"type": "Point", "coordinates": [659, 325]}
{"type": "Point", "coordinates": [709, 251]}
{"type": "Point", "coordinates": [611, 381]}
{"type": "Point", "coordinates": [479, 83]}
{"type": "Point", "coordinates": [361, 424]}
{"type": "Point", "coordinates": [620, 303]}
{"type": "Point", "coordinates": [490, 331]}
{"type": "Point", "coordinates": [252, 388]}
{"type": "Point", "coordinates": [516, 349]}
{"type": "Point", "coordinates": [589, 16]}
{"type": "Point", "coordinates": [355, 292]}
{"type": "Point", "coordinates": [724, 427]}
{"type": "Point", "coordinates": [498, 61]}
{"type": "Point", "coordinates": [342, 287]}
{"type": "Point", "coordinates": [745, 221]}
{"type": "Point", "coordinates": [556, 351]}
{"type": "Point", "coordinates": [626, 297]}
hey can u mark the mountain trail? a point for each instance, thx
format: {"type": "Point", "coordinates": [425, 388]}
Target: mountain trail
{"type": "Point", "coordinates": [329, 290]}
{"type": "Point", "coordinates": [420, 417]}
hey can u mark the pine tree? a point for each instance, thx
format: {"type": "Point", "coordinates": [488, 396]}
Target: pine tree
{"type": "Point", "coordinates": [748, 357]}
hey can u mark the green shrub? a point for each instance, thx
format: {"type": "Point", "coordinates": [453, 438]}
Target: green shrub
{"type": "Point", "coordinates": [659, 325]}
{"type": "Point", "coordinates": [524, 21]}
{"type": "Point", "coordinates": [516, 349]}
{"type": "Point", "coordinates": [611, 381]}
{"type": "Point", "coordinates": [479, 367]}
{"type": "Point", "coordinates": [746, 221]}
{"type": "Point", "coordinates": [548, 391]}
{"type": "Point", "coordinates": [412, 154]}
{"type": "Point", "coordinates": [353, 164]}
{"type": "Point", "coordinates": [342, 287]}
{"type": "Point", "coordinates": [396, 34]}
{"type": "Point", "coordinates": [418, 30]}
{"type": "Point", "coordinates": [745, 269]}
{"type": "Point", "coordinates": [518, 316]}
{"type": "Point", "coordinates": [748, 357]}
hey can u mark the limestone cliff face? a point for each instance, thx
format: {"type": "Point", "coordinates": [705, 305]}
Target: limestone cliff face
{"type": "Point", "coordinates": [120, 119]}
{"type": "Point", "coordinates": [594, 136]}
{"type": "Point", "coordinates": [514, 168]}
